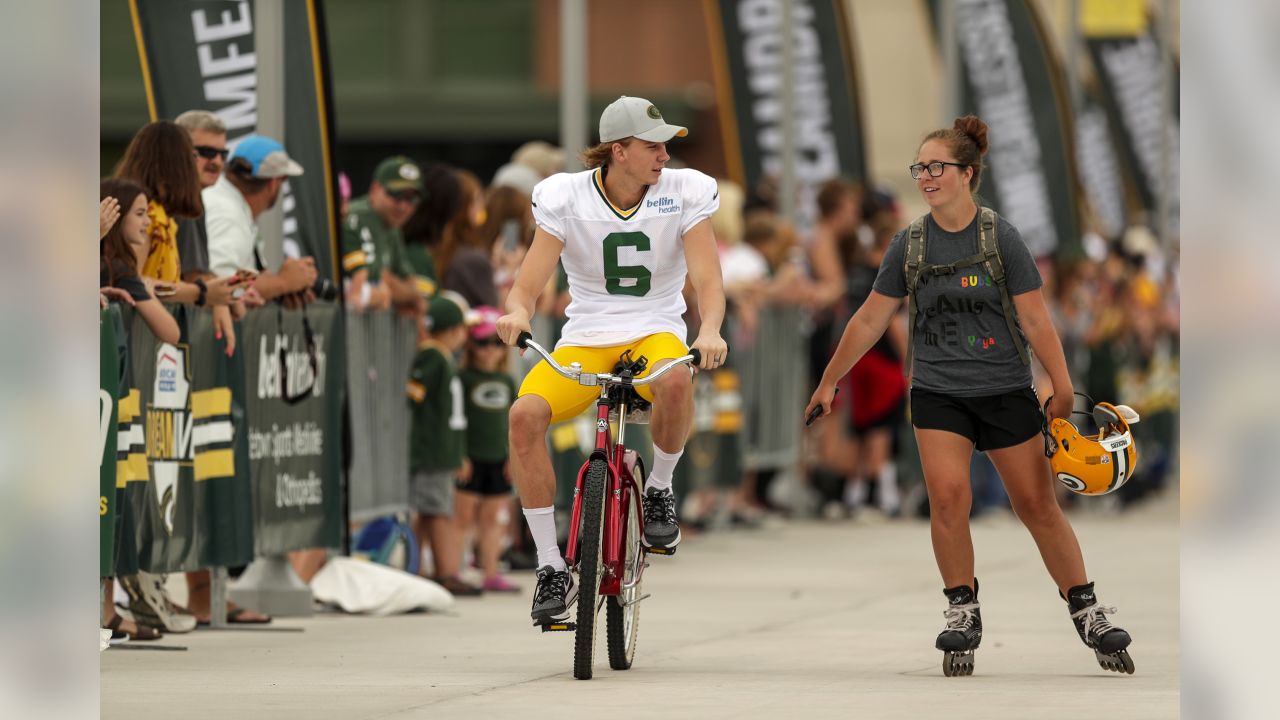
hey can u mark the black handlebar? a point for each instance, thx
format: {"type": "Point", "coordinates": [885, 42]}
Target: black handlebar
{"type": "Point", "coordinates": [697, 356]}
{"type": "Point", "coordinates": [524, 338]}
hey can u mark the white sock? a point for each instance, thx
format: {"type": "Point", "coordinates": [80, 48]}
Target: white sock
{"type": "Point", "coordinates": [542, 525]}
{"type": "Point", "coordinates": [888, 487]}
{"type": "Point", "coordinates": [855, 492]}
{"type": "Point", "coordinates": [664, 464]}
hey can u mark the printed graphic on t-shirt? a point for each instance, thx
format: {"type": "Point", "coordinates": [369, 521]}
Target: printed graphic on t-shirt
{"type": "Point", "coordinates": [946, 306]}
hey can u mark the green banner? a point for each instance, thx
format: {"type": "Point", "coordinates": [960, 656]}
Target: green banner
{"type": "Point", "coordinates": [199, 54]}
{"type": "Point", "coordinates": [1131, 71]}
{"type": "Point", "coordinates": [293, 401]}
{"type": "Point", "coordinates": [1101, 172]}
{"type": "Point", "coordinates": [1013, 82]}
{"type": "Point", "coordinates": [108, 391]}
{"type": "Point", "coordinates": [746, 46]}
{"type": "Point", "coordinates": [182, 505]}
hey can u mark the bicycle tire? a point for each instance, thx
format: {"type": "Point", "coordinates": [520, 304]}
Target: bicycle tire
{"type": "Point", "coordinates": [622, 621]}
{"type": "Point", "coordinates": [589, 567]}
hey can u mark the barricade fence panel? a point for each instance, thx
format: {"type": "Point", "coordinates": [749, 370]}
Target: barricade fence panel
{"type": "Point", "coordinates": [294, 390]}
{"type": "Point", "coordinates": [380, 350]}
{"type": "Point", "coordinates": [108, 393]}
{"type": "Point", "coordinates": [774, 392]}
{"type": "Point", "coordinates": [217, 459]}
{"type": "Point", "coordinates": [181, 502]}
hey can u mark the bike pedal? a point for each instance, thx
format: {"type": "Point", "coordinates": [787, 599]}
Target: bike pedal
{"type": "Point", "coordinates": [559, 627]}
{"type": "Point", "coordinates": [660, 551]}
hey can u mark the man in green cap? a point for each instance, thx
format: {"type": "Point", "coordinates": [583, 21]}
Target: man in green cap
{"type": "Point", "coordinates": [373, 255]}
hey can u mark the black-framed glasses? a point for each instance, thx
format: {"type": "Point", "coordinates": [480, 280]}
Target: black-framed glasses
{"type": "Point", "coordinates": [935, 168]}
{"type": "Point", "coordinates": [208, 152]}
{"type": "Point", "coordinates": [488, 342]}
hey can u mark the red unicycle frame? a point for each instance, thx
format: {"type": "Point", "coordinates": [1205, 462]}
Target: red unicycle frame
{"type": "Point", "coordinates": [607, 519]}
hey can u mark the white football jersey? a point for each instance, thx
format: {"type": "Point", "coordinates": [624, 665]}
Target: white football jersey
{"type": "Point", "coordinates": [626, 268]}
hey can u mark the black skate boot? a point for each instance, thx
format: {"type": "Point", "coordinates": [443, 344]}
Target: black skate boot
{"type": "Point", "coordinates": [1109, 643]}
{"type": "Point", "coordinates": [963, 633]}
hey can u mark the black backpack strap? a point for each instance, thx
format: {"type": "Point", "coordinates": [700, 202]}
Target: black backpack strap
{"type": "Point", "coordinates": [989, 252]}
{"type": "Point", "coordinates": [912, 265]}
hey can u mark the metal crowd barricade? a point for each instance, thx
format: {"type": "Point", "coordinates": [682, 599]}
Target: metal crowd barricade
{"type": "Point", "coordinates": [774, 389]}
{"type": "Point", "coordinates": [380, 351]}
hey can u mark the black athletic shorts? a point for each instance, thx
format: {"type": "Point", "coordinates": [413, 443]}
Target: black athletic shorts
{"type": "Point", "coordinates": [486, 479]}
{"type": "Point", "coordinates": [991, 422]}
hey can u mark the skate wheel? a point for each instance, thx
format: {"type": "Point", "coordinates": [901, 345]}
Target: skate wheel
{"type": "Point", "coordinates": [957, 664]}
{"type": "Point", "coordinates": [1118, 661]}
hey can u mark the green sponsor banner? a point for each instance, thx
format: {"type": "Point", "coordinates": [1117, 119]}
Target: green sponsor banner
{"type": "Point", "coordinates": [1013, 82]}
{"type": "Point", "coordinates": [108, 392]}
{"type": "Point", "coordinates": [182, 504]}
{"type": "Point", "coordinates": [293, 400]}
{"type": "Point", "coordinates": [746, 39]}
{"type": "Point", "coordinates": [200, 55]}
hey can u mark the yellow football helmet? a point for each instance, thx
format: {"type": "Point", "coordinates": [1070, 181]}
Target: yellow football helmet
{"type": "Point", "coordinates": [1093, 464]}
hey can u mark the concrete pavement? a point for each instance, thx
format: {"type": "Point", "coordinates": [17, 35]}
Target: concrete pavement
{"type": "Point", "coordinates": [806, 620]}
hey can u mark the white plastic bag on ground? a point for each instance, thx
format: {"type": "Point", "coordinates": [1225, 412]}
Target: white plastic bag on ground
{"type": "Point", "coordinates": [359, 586]}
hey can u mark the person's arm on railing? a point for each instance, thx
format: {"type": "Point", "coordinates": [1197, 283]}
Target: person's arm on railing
{"type": "Point", "coordinates": [295, 275]}
{"type": "Point", "coordinates": [163, 325]}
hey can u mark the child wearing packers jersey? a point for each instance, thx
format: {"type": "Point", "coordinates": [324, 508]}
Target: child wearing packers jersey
{"type": "Point", "coordinates": [484, 488]}
{"type": "Point", "coordinates": [437, 440]}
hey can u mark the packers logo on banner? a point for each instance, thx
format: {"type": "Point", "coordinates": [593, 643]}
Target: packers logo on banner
{"type": "Point", "coordinates": [168, 428]}
{"type": "Point", "coordinates": [185, 429]}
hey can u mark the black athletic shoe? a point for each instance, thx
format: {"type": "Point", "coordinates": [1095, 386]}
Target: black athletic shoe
{"type": "Point", "coordinates": [661, 526]}
{"type": "Point", "coordinates": [964, 620]}
{"type": "Point", "coordinates": [1091, 621]}
{"type": "Point", "coordinates": [553, 596]}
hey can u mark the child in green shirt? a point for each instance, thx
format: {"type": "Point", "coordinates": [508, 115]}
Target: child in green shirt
{"type": "Point", "coordinates": [437, 440]}
{"type": "Point", "coordinates": [484, 486]}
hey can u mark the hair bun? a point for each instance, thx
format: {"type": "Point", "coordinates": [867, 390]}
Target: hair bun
{"type": "Point", "coordinates": [973, 126]}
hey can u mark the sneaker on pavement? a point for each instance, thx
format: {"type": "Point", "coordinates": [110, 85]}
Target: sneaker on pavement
{"type": "Point", "coordinates": [661, 526]}
{"type": "Point", "coordinates": [553, 596]}
{"type": "Point", "coordinates": [150, 603]}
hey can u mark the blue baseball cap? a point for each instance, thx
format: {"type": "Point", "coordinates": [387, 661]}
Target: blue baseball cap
{"type": "Point", "coordinates": [265, 157]}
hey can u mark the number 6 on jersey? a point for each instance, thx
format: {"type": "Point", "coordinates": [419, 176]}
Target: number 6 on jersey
{"type": "Point", "coordinates": [615, 274]}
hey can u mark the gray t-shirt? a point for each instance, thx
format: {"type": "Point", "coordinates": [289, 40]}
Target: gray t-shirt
{"type": "Point", "coordinates": [962, 343]}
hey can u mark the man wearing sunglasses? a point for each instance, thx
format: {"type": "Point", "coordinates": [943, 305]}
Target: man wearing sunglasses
{"type": "Point", "coordinates": [209, 137]}
{"type": "Point", "coordinates": [373, 256]}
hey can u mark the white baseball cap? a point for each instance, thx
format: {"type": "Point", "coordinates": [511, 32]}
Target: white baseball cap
{"type": "Point", "coordinates": [636, 117]}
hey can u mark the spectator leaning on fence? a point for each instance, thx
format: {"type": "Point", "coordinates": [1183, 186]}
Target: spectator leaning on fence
{"type": "Point", "coordinates": [250, 186]}
{"type": "Point", "coordinates": [209, 138]}
{"type": "Point", "coordinates": [124, 251]}
{"type": "Point", "coordinates": [160, 159]}
{"type": "Point", "coordinates": [373, 254]}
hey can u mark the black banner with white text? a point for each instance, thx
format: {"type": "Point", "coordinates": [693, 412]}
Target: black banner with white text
{"type": "Point", "coordinates": [747, 53]}
{"type": "Point", "coordinates": [199, 55]}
